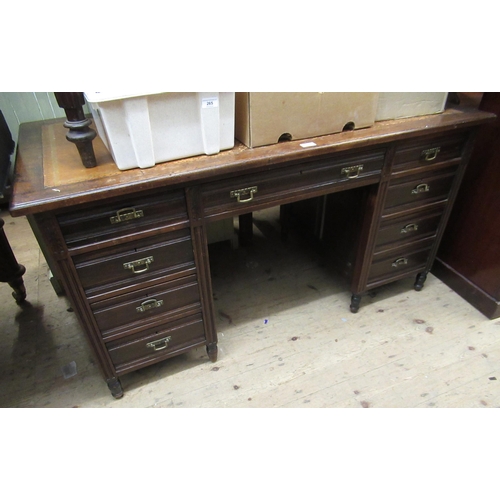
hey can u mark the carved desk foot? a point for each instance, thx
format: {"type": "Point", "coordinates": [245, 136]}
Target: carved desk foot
{"type": "Point", "coordinates": [17, 285]}
{"type": "Point", "coordinates": [419, 281]}
{"type": "Point", "coordinates": [11, 271]}
{"type": "Point", "coordinates": [115, 387]}
{"type": "Point", "coordinates": [355, 301]}
{"type": "Point", "coordinates": [212, 352]}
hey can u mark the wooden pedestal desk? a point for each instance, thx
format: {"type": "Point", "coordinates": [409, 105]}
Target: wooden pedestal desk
{"type": "Point", "coordinates": [130, 247]}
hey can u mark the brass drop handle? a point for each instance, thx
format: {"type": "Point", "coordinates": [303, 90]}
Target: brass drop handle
{"type": "Point", "coordinates": [149, 304]}
{"type": "Point", "coordinates": [352, 172]}
{"type": "Point", "coordinates": [421, 188]}
{"type": "Point", "coordinates": [400, 262]}
{"type": "Point", "coordinates": [248, 191]}
{"type": "Point", "coordinates": [430, 154]}
{"type": "Point", "coordinates": [125, 214]}
{"type": "Point", "coordinates": [408, 228]}
{"type": "Point", "coordinates": [158, 345]}
{"type": "Point", "coordinates": [139, 266]}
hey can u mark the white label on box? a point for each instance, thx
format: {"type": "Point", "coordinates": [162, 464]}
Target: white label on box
{"type": "Point", "coordinates": [210, 102]}
{"type": "Point", "coordinates": [308, 144]}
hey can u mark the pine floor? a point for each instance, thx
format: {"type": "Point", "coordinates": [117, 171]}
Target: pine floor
{"type": "Point", "coordinates": [286, 340]}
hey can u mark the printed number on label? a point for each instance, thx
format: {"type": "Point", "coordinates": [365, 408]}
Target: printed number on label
{"type": "Point", "coordinates": [210, 103]}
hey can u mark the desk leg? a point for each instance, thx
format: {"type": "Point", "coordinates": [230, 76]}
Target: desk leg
{"type": "Point", "coordinates": [285, 221]}
{"type": "Point", "coordinates": [212, 351]}
{"type": "Point", "coordinates": [115, 387]}
{"type": "Point", "coordinates": [11, 271]}
{"type": "Point", "coordinates": [355, 301]}
{"type": "Point", "coordinates": [245, 232]}
{"type": "Point", "coordinates": [419, 282]}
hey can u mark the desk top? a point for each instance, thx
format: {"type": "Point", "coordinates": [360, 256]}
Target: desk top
{"type": "Point", "coordinates": [49, 174]}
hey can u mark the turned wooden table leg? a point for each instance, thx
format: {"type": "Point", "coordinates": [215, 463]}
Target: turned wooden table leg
{"type": "Point", "coordinates": [11, 271]}
{"type": "Point", "coordinates": [79, 132]}
{"type": "Point", "coordinates": [355, 302]}
{"type": "Point", "coordinates": [115, 386]}
{"type": "Point", "coordinates": [419, 281]}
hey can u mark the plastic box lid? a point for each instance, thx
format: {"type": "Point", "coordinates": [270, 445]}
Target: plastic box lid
{"type": "Point", "coordinates": [96, 97]}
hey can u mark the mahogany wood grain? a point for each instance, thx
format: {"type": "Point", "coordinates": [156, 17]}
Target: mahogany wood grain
{"type": "Point", "coordinates": [37, 190]}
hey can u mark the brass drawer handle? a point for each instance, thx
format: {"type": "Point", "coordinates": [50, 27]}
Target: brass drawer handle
{"type": "Point", "coordinates": [124, 214]}
{"type": "Point", "coordinates": [238, 193]}
{"type": "Point", "coordinates": [408, 228]}
{"type": "Point", "coordinates": [149, 304]}
{"type": "Point", "coordinates": [142, 264]}
{"type": "Point", "coordinates": [352, 172]}
{"type": "Point", "coordinates": [430, 154]}
{"type": "Point", "coordinates": [158, 345]}
{"type": "Point", "coordinates": [400, 262]}
{"type": "Point", "coordinates": [421, 188]}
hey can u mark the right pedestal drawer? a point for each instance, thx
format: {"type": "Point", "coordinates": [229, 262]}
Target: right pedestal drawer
{"type": "Point", "coordinates": [417, 190]}
{"type": "Point", "coordinates": [411, 216]}
{"type": "Point", "coordinates": [422, 152]}
{"type": "Point", "coordinates": [408, 227]}
{"type": "Point", "coordinates": [389, 266]}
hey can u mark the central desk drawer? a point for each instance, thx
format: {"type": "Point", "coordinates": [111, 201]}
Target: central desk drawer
{"type": "Point", "coordinates": [250, 192]}
{"type": "Point", "coordinates": [136, 261]}
{"type": "Point", "coordinates": [139, 307]}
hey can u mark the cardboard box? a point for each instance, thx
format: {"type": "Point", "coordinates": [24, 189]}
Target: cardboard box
{"type": "Point", "coordinates": [141, 130]}
{"type": "Point", "coordinates": [393, 105]}
{"type": "Point", "coordinates": [262, 118]}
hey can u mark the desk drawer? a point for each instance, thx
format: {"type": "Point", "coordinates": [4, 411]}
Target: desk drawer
{"type": "Point", "coordinates": [389, 266]}
{"type": "Point", "coordinates": [427, 151]}
{"type": "Point", "coordinates": [410, 227]}
{"type": "Point", "coordinates": [135, 262]}
{"type": "Point", "coordinates": [140, 307]}
{"type": "Point", "coordinates": [148, 345]}
{"type": "Point", "coordinates": [109, 221]}
{"type": "Point", "coordinates": [250, 192]}
{"type": "Point", "coordinates": [418, 190]}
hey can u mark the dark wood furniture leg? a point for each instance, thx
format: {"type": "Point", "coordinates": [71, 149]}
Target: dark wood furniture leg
{"type": "Point", "coordinates": [419, 281]}
{"type": "Point", "coordinates": [212, 351]}
{"type": "Point", "coordinates": [285, 221]}
{"type": "Point", "coordinates": [115, 387]}
{"type": "Point", "coordinates": [79, 132]}
{"type": "Point", "coordinates": [245, 233]}
{"type": "Point", "coordinates": [355, 302]}
{"type": "Point", "coordinates": [11, 271]}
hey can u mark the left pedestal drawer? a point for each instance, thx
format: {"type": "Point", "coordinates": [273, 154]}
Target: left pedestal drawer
{"type": "Point", "coordinates": [139, 308]}
{"type": "Point", "coordinates": [135, 262]}
{"type": "Point", "coordinates": [100, 223]}
{"type": "Point", "coordinates": [153, 344]}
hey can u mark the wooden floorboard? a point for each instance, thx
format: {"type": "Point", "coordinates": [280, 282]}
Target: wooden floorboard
{"type": "Point", "coordinates": [286, 340]}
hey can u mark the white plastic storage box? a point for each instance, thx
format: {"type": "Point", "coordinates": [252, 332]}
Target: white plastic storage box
{"type": "Point", "coordinates": [145, 129]}
{"type": "Point", "coordinates": [393, 105]}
